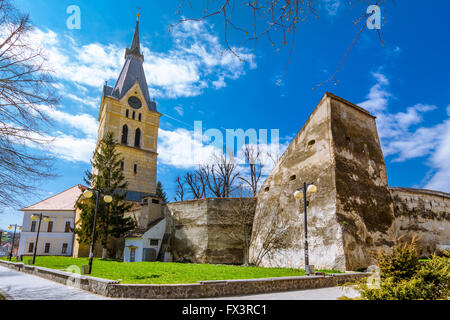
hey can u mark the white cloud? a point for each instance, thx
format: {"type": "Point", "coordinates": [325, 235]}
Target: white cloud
{"type": "Point", "coordinates": [84, 122]}
{"type": "Point", "coordinates": [180, 149]}
{"type": "Point", "coordinates": [332, 6]}
{"type": "Point", "coordinates": [184, 71]}
{"type": "Point", "coordinates": [403, 137]}
{"type": "Point", "coordinates": [440, 160]}
{"type": "Point", "coordinates": [179, 110]}
{"type": "Point", "coordinates": [71, 148]}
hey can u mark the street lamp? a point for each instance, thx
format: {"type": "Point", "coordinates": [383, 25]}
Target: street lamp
{"type": "Point", "coordinates": [107, 198]}
{"type": "Point", "coordinates": [14, 237]}
{"type": "Point", "coordinates": [308, 188]}
{"type": "Point", "coordinates": [34, 217]}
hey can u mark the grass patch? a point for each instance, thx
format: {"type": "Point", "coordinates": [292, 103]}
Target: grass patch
{"type": "Point", "coordinates": [167, 272]}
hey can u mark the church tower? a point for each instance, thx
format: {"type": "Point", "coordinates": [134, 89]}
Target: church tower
{"type": "Point", "coordinates": [128, 111]}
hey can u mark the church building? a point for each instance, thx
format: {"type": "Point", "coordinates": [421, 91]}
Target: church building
{"type": "Point", "coordinates": [130, 113]}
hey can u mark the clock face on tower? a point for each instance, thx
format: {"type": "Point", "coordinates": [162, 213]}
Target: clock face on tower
{"type": "Point", "coordinates": [134, 102]}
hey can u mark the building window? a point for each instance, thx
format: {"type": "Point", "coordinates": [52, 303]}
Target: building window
{"type": "Point", "coordinates": [155, 201]}
{"type": "Point", "coordinates": [140, 117]}
{"type": "Point", "coordinates": [135, 168]}
{"type": "Point", "coordinates": [31, 247]}
{"type": "Point", "coordinates": [132, 254]}
{"type": "Point", "coordinates": [47, 248]}
{"type": "Point", "coordinates": [134, 115]}
{"type": "Point", "coordinates": [154, 242]}
{"type": "Point", "coordinates": [127, 113]}
{"type": "Point", "coordinates": [64, 248]}
{"type": "Point", "coordinates": [50, 226]}
{"type": "Point", "coordinates": [33, 226]}
{"type": "Point", "coordinates": [125, 134]}
{"type": "Point", "coordinates": [67, 228]}
{"type": "Point", "coordinates": [122, 165]}
{"type": "Point", "coordinates": [137, 138]}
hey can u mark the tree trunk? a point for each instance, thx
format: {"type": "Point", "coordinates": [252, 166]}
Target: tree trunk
{"type": "Point", "coordinates": [104, 253]}
{"type": "Point", "coordinates": [246, 249]}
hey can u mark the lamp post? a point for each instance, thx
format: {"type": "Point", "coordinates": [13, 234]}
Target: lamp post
{"type": "Point", "coordinates": [107, 198]}
{"type": "Point", "coordinates": [308, 188]}
{"type": "Point", "coordinates": [14, 238]}
{"type": "Point", "coordinates": [46, 219]}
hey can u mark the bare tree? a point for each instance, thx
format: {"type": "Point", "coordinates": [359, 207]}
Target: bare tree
{"type": "Point", "coordinates": [252, 155]}
{"type": "Point", "coordinates": [274, 20]}
{"type": "Point", "coordinates": [214, 181]}
{"type": "Point", "coordinates": [179, 192]}
{"type": "Point", "coordinates": [197, 183]}
{"type": "Point", "coordinates": [26, 88]}
{"type": "Point", "coordinates": [240, 220]}
{"type": "Point", "coordinates": [270, 236]}
{"type": "Point", "coordinates": [227, 172]}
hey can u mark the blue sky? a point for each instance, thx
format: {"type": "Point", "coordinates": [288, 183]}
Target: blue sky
{"type": "Point", "coordinates": [405, 83]}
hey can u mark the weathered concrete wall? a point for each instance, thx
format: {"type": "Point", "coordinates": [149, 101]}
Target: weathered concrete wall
{"type": "Point", "coordinates": [307, 159]}
{"type": "Point", "coordinates": [202, 231]}
{"type": "Point", "coordinates": [425, 214]}
{"type": "Point", "coordinates": [364, 205]}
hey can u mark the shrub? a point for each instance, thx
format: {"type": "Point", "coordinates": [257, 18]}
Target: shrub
{"type": "Point", "coordinates": [404, 277]}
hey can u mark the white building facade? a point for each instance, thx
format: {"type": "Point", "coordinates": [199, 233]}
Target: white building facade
{"type": "Point", "coordinates": [145, 244]}
{"type": "Point", "coordinates": [56, 226]}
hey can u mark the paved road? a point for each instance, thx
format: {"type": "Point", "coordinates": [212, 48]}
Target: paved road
{"type": "Point", "coordinates": [311, 294]}
{"type": "Point", "coordinates": [23, 286]}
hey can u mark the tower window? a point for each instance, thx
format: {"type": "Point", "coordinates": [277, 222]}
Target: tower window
{"type": "Point", "coordinates": [137, 138]}
{"type": "Point", "coordinates": [135, 168]}
{"type": "Point", "coordinates": [134, 115]}
{"type": "Point", "coordinates": [127, 113]}
{"type": "Point", "coordinates": [125, 134]}
{"type": "Point", "coordinates": [140, 117]}
{"type": "Point", "coordinates": [122, 164]}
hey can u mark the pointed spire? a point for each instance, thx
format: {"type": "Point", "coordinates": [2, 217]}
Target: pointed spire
{"type": "Point", "coordinates": [135, 44]}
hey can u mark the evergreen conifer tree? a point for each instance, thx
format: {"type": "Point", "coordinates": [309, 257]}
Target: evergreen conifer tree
{"type": "Point", "coordinates": [108, 177]}
{"type": "Point", "coordinates": [160, 192]}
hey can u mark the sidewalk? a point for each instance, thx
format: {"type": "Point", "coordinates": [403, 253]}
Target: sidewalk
{"type": "Point", "coordinates": [332, 293]}
{"type": "Point", "coordinates": [22, 286]}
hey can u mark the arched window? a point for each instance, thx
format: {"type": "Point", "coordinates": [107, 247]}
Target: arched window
{"type": "Point", "coordinates": [125, 134]}
{"type": "Point", "coordinates": [137, 138]}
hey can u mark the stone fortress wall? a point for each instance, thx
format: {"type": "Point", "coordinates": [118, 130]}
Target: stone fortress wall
{"type": "Point", "coordinates": [424, 213]}
{"type": "Point", "coordinates": [354, 212]}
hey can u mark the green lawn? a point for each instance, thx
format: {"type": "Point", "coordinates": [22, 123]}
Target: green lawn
{"type": "Point", "coordinates": [166, 272]}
